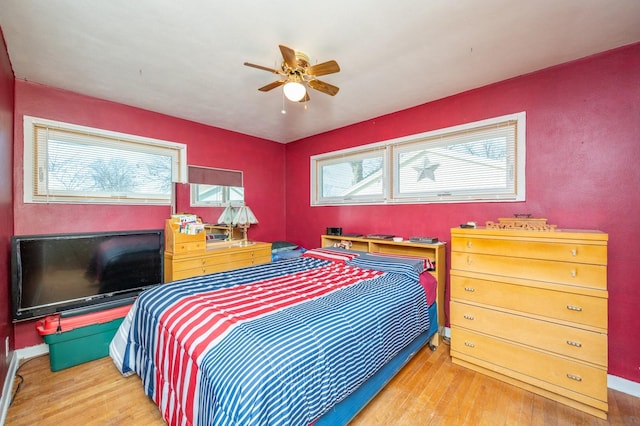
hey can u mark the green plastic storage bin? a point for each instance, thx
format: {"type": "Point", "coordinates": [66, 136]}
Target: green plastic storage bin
{"type": "Point", "coordinates": [80, 345]}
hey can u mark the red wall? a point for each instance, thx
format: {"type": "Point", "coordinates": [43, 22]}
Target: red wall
{"type": "Point", "coordinates": [583, 122]}
{"type": "Point", "coordinates": [582, 171]}
{"type": "Point", "coordinates": [261, 161]}
{"type": "Point", "coordinates": [6, 198]}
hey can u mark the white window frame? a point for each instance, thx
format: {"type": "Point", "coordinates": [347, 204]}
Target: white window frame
{"type": "Point", "coordinates": [390, 169]}
{"type": "Point", "coordinates": [226, 200]}
{"type": "Point", "coordinates": [353, 155]}
{"type": "Point", "coordinates": [178, 152]}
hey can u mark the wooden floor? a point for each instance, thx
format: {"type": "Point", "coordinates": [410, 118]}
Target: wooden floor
{"type": "Point", "coordinates": [430, 390]}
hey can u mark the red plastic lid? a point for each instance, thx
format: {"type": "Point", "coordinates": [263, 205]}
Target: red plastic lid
{"type": "Point", "coordinates": [53, 324]}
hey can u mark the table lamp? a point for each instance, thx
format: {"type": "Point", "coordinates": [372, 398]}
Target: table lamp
{"type": "Point", "coordinates": [226, 218]}
{"type": "Point", "coordinates": [243, 219]}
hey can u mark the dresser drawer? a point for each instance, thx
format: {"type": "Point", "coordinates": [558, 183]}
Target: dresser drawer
{"type": "Point", "coordinates": [217, 258]}
{"type": "Point", "coordinates": [573, 342]}
{"type": "Point", "coordinates": [238, 262]}
{"type": "Point", "coordinates": [189, 263]}
{"type": "Point", "coordinates": [240, 257]}
{"type": "Point", "coordinates": [186, 273]}
{"type": "Point", "coordinates": [578, 274]}
{"type": "Point", "coordinates": [198, 246]}
{"type": "Point", "coordinates": [561, 252]}
{"type": "Point", "coordinates": [557, 305]}
{"type": "Point", "coordinates": [545, 370]}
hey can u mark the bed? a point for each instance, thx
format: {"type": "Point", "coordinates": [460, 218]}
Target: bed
{"type": "Point", "coordinates": [308, 340]}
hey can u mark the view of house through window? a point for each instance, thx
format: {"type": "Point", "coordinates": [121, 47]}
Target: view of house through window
{"type": "Point", "coordinates": [481, 161]}
{"type": "Point", "coordinates": [68, 163]}
{"type": "Point", "coordinates": [359, 176]}
{"type": "Point", "coordinates": [216, 195]}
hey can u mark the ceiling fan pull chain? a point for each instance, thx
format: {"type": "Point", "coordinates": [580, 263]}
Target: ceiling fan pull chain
{"type": "Point", "coordinates": [283, 111]}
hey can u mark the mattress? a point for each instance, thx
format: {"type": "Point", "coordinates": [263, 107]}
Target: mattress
{"type": "Point", "coordinates": [279, 343]}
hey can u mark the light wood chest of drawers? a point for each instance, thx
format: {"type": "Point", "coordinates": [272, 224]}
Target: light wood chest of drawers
{"type": "Point", "coordinates": [188, 256]}
{"type": "Point", "coordinates": [193, 263]}
{"type": "Point", "coordinates": [530, 308]}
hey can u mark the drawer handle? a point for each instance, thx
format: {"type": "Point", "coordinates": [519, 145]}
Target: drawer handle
{"type": "Point", "coordinates": [574, 252]}
{"type": "Point", "coordinates": [469, 344]}
{"type": "Point", "coordinates": [469, 317]}
{"type": "Point", "coordinates": [574, 377]}
{"type": "Point", "coordinates": [471, 289]}
{"type": "Point", "coordinates": [469, 244]}
{"type": "Point", "coordinates": [572, 343]}
{"type": "Point", "coordinates": [573, 273]}
{"type": "Point", "coordinates": [574, 308]}
{"type": "Point", "coordinates": [468, 261]}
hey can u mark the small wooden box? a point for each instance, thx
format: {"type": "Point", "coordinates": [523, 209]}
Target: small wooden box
{"type": "Point", "coordinates": [178, 242]}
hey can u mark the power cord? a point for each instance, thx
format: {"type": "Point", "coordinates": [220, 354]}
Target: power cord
{"type": "Point", "coordinates": [18, 376]}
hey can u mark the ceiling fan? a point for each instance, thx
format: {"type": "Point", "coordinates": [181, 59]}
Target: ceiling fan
{"type": "Point", "coordinates": [296, 73]}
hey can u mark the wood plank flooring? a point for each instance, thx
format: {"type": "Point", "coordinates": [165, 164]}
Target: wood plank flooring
{"type": "Point", "coordinates": [430, 390]}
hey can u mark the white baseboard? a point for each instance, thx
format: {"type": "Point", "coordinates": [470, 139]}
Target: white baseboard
{"type": "Point", "coordinates": [446, 332]}
{"type": "Point", "coordinates": [31, 351]}
{"type": "Point", "coordinates": [623, 385]}
{"type": "Point", "coordinates": [7, 389]}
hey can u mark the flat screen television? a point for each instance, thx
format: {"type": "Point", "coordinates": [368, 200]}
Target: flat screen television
{"type": "Point", "coordinates": [78, 273]}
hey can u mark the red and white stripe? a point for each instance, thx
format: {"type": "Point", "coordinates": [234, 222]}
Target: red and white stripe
{"type": "Point", "coordinates": [196, 323]}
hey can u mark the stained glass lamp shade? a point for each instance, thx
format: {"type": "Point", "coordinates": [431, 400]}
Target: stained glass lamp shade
{"type": "Point", "coordinates": [244, 218]}
{"type": "Point", "coordinates": [226, 218]}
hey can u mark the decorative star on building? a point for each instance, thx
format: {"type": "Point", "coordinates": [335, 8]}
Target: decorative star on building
{"type": "Point", "coordinates": [427, 170]}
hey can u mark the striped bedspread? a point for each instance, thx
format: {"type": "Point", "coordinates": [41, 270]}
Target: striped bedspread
{"type": "Point", "coordinates": [279, 343]}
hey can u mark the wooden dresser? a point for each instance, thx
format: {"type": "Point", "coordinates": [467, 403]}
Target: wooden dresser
{"type": "Point", "coordinates": [188, 256]}
{"type": "Point", "coordinates": [530, 308]}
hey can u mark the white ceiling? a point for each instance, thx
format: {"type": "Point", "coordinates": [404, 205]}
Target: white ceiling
{"type": "Point", "coordinates": [185, 58]}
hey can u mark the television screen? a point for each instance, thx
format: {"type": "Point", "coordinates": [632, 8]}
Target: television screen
{"type": "Point", "coordinates": [78, 273]}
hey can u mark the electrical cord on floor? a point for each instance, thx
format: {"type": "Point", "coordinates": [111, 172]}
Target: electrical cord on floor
{"type": "Point", "coordinates": [18, 376]}
{"type": "Point", "coordinates": [15, 393]}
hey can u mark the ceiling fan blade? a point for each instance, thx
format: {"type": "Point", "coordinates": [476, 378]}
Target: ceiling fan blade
{"type": "Point", "coordinates": [327, 88]}
{"type": "Point", "coordinates": [306, 98]}
{"type": "Point", "coordinates": [260, 67]}
{"type": "Point", "coordinates": [324, 68]}
{"type": "Point", "coordinates": [271, 86]}
{"type": "Point", "coordinates": [289, 56]}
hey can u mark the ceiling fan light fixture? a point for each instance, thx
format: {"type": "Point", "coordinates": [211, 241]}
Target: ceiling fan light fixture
{"type": "Point", "coordinates": [296, 74]}
{"type": "Point", "coordinates": [294, 91]}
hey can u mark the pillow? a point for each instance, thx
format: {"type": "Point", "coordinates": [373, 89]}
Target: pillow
{"type": "Point", "coordinates": [332, 254]}
{"type": "Point", "coordinates": [279, 246]}
{"type": "Point", "coordinates": [287, 254]}
{"type": "Point", "coordinates": [408, 266]}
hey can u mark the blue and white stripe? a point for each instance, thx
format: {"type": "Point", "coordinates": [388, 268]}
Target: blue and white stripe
{"type": "Point", "coordinates": [293, 365]}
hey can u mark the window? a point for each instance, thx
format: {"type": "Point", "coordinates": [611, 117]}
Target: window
{"type": "Point", "coordinates": [67, 163]}
{"type": "Point", "coordinates": [216, 195]}
{"type": "Point", "coordinates": [481, 161]}
{"type": "Point", "coordinates": [213, 187]}
{"type": "Point", "coordinates": [357, 177]}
